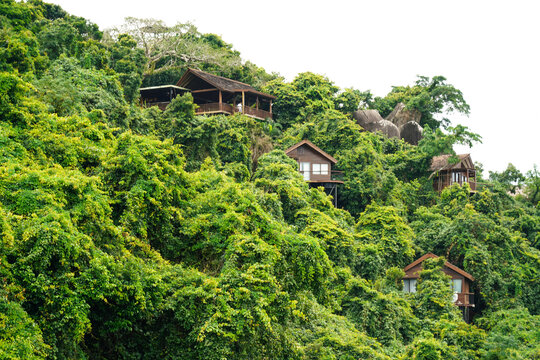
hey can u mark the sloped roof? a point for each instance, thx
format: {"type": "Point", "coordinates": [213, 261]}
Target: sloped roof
{"type": "Point", "coordinates": [314, 147]}
{"type": "Point", "coordinates": [447, 264]}
{"type": "Point", "coordinates": [219, 82]}
{"type": "Point", "coordinates": [440, 162]}
{"type": "Point", "coordinates": [163, 87]}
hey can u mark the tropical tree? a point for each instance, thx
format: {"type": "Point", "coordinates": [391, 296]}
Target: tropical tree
{"type": "Point", "coordinates": [432, 97]}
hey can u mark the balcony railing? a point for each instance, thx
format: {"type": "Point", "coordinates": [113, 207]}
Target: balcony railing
{"type": "Point", "coordinates": [465, 299]}
{"type": "Point", "coordinates": [445, 180]}
{"type": "Point", "coordinates": [214, 108]}
{"type": "Point", "coordinates": [161, 105]}
{"type": "Point", "coordinates": [258, 113]}
{"type": "Point", "coordinates": [321, 175]}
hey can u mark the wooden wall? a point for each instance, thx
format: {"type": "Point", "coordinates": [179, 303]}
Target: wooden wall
{"type": "Point", "coordinates": [463, 297]}
{"type": "Point", "coordinates": [305, 153]}
{"type": "Point", "coordinates": [445, 179]}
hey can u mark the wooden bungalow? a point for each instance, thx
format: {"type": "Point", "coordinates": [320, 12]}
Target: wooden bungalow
{"type": "Point", "coordinates": [316, 166]}
{"type": "Point", "coordinates": [461, 282]}
{"type": "Point", "coordinates": [445, 174]}
{"type": "Point", "coordinates": [218, 95]}
{"type": "Point", "coordinates": [160, 96]}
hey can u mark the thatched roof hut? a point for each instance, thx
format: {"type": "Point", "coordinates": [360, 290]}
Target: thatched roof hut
{"type": "Point", "coordinates": [445, 173]}
{"type": "Point", "coordinates": [218, 95]}
{"type": "Point", "coordinates": [441, 162]}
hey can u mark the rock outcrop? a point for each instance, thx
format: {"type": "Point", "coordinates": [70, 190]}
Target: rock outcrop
{"type": "Point", "coordinates": [400, 116]}
{"type": "Point", "coordinates": [386, 127]}
{"type": "Point", "coordinates": [411, 132]}
{"type": "Point", "coordinates": [401, 123]}
{"type": "Point", "coordinates": [366, 117]}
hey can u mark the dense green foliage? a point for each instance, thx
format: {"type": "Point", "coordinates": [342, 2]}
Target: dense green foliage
{"type": "Point", "coordinates": [430, 97]}
{"type": "Point", "coordinates": [130, 233]}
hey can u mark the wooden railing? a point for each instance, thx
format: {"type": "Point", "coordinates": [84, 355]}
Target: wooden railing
{"type": "Point", "coordinates": [161, 105]}
{"type": "Point", "coordinates": [215, 108]}
{"type": "Point", "coordinates": [212, 108]}
{"type": "Point", "coordinates": [445, 180]}
{"type": "Point", "coordinates": [465, 299]}
{"type": "Point", "coordinates": [258, 113]}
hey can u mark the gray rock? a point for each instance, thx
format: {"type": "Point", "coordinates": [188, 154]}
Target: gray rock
{"type": "Point", "coordinates": [411, 132]}
{"type": "Point", "coordinates": [366, 117]}
{"type": "Point", "coordinates": [400, 116]}
{"type": "Point", "coordinates": [386, 127]}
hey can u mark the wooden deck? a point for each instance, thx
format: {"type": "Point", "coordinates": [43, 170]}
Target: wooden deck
{"type": "Point", "coordinates": [445, 180]}
{"type": "Point", "coordinates": [222, 108]}
{"type": "Point", "coordinates": [257, 113]}
{"type": "Point", "coordinates": [465, 299]}
{"type": "Point", "coordinates": [215, 108]}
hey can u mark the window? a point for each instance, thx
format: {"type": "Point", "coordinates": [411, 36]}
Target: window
{"type": "Point", "coordinates": [320, 169]}
{"type": "Point", "coordinates": [300, 150]}
{"type": "Point", "coordinates": [457, 285]}
{"type": "Point", "coordinates": [305, 170]}
{"type": "Point", "coordinates": [324, 169]}
{"type": "Point", "coordinates": [459, 178]}
{"type": "Point", "coordinates": [409, 285]}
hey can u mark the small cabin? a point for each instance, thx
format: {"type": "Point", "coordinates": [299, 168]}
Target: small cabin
{"type": "Point", "coordinates": [446, 174]}
{"type": "Point", "coordinates": [160, 96]}
{"type": "Point", "coordinates": [315, 165]}
{"type": "Point", "coordinates": [461, 282]}
{"type": "Point", "coordinates": [218, 95]}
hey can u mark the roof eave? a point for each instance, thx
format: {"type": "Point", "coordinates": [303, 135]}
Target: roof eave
{"type": "Point", "coordinates": [314, 147]}
{"type": "Point", "coordinates": [194, 72]}
{"type": "Point", "coordinates": [447, 264]}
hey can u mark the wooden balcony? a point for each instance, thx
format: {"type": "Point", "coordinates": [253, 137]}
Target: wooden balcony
{"type": "Point", "coordinates": [215, 108]}
{"type": "Point", "coordinates": [257, 113]}
{"type": "Point", "coordinates": [465, 299]}
{"type": "Point", "coordinates": [445, 180]}
{"type": "Point", "coordinates": [162, 105]}
{"type": "Point", "coordinates": [223, 108]}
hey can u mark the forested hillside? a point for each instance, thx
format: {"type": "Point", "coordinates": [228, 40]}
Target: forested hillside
{"type": "Point", "coordinates": [135, 233]}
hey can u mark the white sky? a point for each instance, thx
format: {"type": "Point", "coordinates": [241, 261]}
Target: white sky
{"type": "Point", "coordinates": [487, 49]}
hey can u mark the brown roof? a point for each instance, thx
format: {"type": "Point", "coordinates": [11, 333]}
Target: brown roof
{"type": "Point", "coordinates": [314, 147]}
{"type": "Point", "coordinates": [440, 162]}
{"type": "Point", "coordinates": [447, 264]}
{"type": "Point", "coordinates": [219, 82]}
{"type": "Point", "coordinates": [163, 87]}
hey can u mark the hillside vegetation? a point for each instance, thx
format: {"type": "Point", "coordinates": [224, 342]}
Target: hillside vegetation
{"type": "Point", "coordinates": [131, 233]}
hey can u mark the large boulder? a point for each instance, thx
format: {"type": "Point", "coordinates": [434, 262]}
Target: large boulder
{"type": "Point", "coordinates": [366, 117]}
{"type": "Point", "coordinates": [411, 132]}
{"type": "Point", "coordinates": [372, 121]}
{"type": "Point", "coordinates": [400, 116]}
{"type": "Point", "coordinates": [386, 127]}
